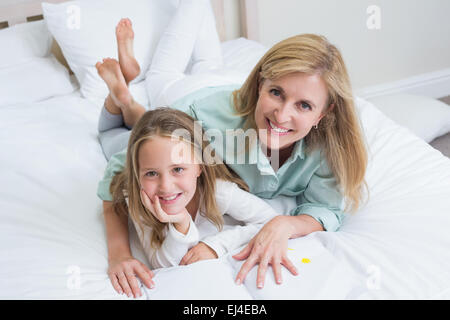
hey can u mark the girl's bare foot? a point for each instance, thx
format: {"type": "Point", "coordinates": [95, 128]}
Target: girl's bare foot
{"type": "Point", "coordinates": [125, 36]}
{"type": "Point", "coordinates": [109, 70]}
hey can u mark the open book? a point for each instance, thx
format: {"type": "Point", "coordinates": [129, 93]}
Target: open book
{"type": "Point", "coordinates": [320, 276]}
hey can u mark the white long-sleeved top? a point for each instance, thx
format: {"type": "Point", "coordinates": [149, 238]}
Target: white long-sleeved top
{"type": "Point", "coordinates": [232, 201]}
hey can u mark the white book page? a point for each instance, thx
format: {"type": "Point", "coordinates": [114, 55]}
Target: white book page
{"type": "Point", "coordinates": [320, 275]}
{"type": "Point", "coordinates": [203, 280]}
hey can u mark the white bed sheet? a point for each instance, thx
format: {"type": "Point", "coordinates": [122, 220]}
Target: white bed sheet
{"type": "Point", "coordinates": [53, 243]}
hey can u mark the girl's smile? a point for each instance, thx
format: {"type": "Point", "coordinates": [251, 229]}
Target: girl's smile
{"type": "Point", "coordinates": [170, 174]}
{"type": "Point", "coordinates": [167, 200]}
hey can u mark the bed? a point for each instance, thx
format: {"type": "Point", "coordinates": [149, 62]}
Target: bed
{"type": "Point", "coordinates": [53, 243]}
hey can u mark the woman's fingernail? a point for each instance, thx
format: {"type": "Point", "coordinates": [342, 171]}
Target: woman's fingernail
{"type": "Point", "coordinates": [260, 285]}
{"type": "Point", "coordinates": [238, 281]}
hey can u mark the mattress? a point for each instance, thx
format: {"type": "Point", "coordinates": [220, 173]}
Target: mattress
{"type": "Point", "coordinates": [53, 242]}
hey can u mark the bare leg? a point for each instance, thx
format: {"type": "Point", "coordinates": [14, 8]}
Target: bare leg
{"type": "Point", "coordinates": [118, 75]}
{"type": "Point", "coordinates": [119, 99]}
{"type": "Point", "coordinates": [128, 64]}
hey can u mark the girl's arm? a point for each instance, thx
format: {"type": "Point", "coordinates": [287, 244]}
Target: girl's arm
{"type": "Point", "coordinates": [242, 206]}
{"type": "Point", "coordinates": [122, 266]}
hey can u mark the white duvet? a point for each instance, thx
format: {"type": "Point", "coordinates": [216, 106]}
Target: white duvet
{"type": "Point", "coordinates": [53, 243]}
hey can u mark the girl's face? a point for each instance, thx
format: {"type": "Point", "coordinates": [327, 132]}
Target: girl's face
{"type": "Point", "coordinates": [288, 108]}
{"type": "Point", "coordinates": [167, 169]}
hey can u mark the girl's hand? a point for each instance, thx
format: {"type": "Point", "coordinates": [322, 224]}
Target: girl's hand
{"type": "Point", "coordinates": [269, 246]}
{"type": "Point", "coordinates": [123, 271]}
{"type": "Point", "coordinates": [201, 251]}
{"type": "Point", "coordinates": [155, 208]}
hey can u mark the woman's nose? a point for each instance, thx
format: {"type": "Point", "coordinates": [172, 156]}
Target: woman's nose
{"type": "Point", "coordinates": [282, 113]}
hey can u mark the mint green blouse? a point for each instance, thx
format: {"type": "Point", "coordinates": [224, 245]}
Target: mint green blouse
{"type": "Point", "coordinates": [306, 177]}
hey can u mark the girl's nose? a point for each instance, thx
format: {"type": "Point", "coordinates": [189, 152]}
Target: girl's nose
{"type": "Point", "coordinates": [165, 183]}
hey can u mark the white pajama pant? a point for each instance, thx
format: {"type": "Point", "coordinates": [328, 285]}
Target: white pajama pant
{"type": "Point", "coordinates": [188, 57]}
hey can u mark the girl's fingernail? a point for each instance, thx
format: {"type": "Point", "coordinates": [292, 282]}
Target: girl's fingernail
{"type": "Point", "coordinates": [260, 285]}
{"type": "Point", "coordinates": [238, 281]}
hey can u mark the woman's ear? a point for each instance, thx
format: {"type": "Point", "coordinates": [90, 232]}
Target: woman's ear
{"type": "Point", "coordinates": [331, 107]}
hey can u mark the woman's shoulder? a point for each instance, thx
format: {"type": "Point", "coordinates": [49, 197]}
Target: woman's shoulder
{"type": "Point", "coordinates": [205, 95]}
{"type": "Point", "coordinates": [216, 110]}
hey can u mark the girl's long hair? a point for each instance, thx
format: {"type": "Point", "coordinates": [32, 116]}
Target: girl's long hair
{"type": "Point", "coordinates": [125, 186]}
{"type": "Point", "coordinates": [339, 134]}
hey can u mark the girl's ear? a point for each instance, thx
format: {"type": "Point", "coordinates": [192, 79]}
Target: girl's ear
{"type": "Point", "coordinates": [200, 171]}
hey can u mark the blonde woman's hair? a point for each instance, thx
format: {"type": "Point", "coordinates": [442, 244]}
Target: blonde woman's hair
{"type": "Point", "coordinates": [339, 134]}
{"type": "Point", "coordinates": [164, 122]}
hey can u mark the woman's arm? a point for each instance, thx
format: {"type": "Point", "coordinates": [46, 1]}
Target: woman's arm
{"type": "Point", "coordinates": [269, 246]}
{"type": "Point", "coordinates": [123, 268]}
{"type": "Point", "coordinates": [242, 206]}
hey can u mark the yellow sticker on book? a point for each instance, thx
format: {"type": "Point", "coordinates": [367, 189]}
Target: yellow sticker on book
{"type": "Point", "coordinates": [306, 260]}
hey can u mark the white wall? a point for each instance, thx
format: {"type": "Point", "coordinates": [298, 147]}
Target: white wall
{"type": "Point", "coordinates": [414, 37]}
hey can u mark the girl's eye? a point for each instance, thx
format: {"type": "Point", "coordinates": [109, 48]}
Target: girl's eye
{"type": "Point", "coordinates": [178, 170]}
{"type": "Point", "coordinates": [275, 92]}
{"type": "Point", "coordinates": [151, 174]}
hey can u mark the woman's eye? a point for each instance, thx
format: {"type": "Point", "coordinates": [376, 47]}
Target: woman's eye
{"type": "Point", "coordinates": [178, 170]}
{"type": "Point", "coordinates": [305, 106]}
{"type": "Point", "coordinates": [275, 92]}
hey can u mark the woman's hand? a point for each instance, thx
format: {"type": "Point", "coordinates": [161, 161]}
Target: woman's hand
{"type": "Point", "coordinates": [201, 251]}
{"type": "Point", "coordinates": [269, 246]}
{"type": "Point", "coordinates": [180, 220]}
{"type": "Point", "coordinates": [123, 271]}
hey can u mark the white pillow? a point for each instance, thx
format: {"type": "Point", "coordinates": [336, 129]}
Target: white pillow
{"type": "Point", "coordinates": [23, 42]}
{"type": "Point", "coordinates": [85, 31]}
{"type": "Point", "coordinates": [426, 117]}
{"type": "Point", "coordinates": [35, 80]}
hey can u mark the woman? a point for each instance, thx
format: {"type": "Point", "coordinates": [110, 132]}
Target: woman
{"type": "Point", "coordinates": [309, 143]}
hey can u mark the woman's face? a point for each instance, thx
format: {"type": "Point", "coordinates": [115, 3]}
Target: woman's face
{"type": "Point", "coordinates": [167, 169]}
{"type": "Point", "coordinates": [288, 108]}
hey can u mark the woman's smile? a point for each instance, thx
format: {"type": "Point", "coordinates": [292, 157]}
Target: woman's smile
{"type": "Point", "coordinates": [277, 129]}
{"type": "Point", "coordinates": [288, 108]}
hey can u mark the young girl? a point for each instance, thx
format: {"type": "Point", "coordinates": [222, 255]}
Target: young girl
{"type": "Point", "coordinates": [175, 199]}
{"type": "Point", "coordinates": [310, 146]}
